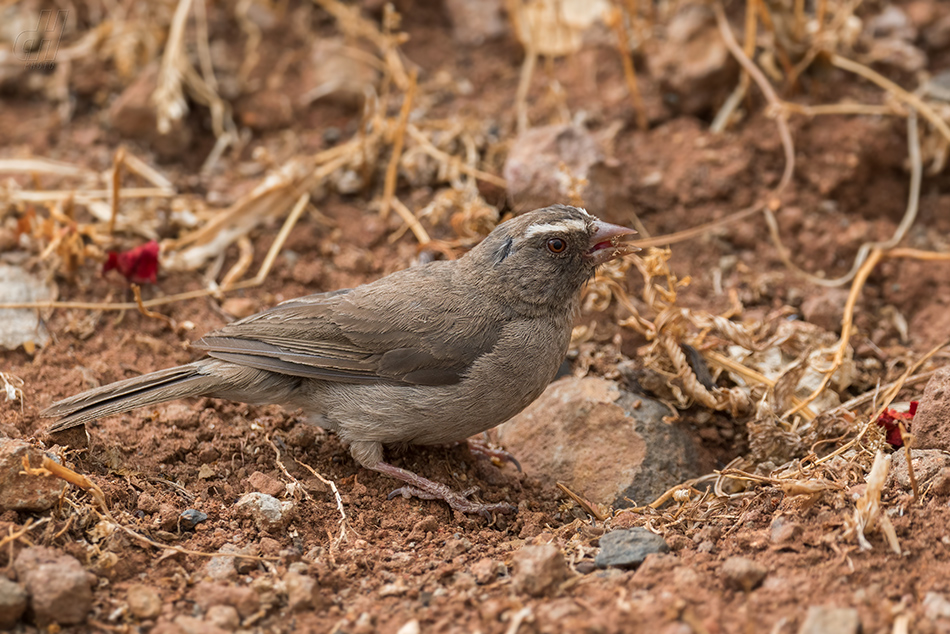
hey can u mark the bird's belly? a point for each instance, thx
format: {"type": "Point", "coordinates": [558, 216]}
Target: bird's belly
{"type": "Point", "coordinates": [496, 389]}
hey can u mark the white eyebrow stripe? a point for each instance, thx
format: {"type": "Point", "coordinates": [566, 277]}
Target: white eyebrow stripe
{"type": "Point", "coordinates": [561, 226]}
{"type": "Point", "coordinates": [582, 210]}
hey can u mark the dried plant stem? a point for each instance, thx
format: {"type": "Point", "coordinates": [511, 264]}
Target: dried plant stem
{"type": "Point", "coordinates": [847, 323]}
{"type": "Point", "coordinates": [444, 157]}
{"type": "Point", "coordinates": [629, 72]}
{"type": "Point", "coordinates": [524, 84]}
{"type": "Point", "coordinates": [392, 170]}
{"type": "Point", "coordinates": [888, 397]}
{"type": "Point", "coordinates": [910, 215]}
{"type": "Point", "coordinates": [763, 83]}
{"type": "Point", "coordinates": [344, 526]}
{"type": "Point", "coordinates": [411, 221]}
{"type": "Point", "coordinates": [908, 98]}
{"type": "Point", "coordinates": [137, 292]}
{"type": "Point", "coordinates": [117, 162]}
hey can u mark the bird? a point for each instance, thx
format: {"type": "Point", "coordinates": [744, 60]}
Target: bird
{"type": "Point", "coordinates": [429, 355]}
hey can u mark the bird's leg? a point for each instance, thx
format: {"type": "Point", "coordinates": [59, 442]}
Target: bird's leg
{"type": "Point", "coordinates": [428, 490]}
{"type": "Point", "coordinates": [482, 447]}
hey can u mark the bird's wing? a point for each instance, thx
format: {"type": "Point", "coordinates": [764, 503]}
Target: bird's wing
{"type": "Point", "coordinates": [402, 331]}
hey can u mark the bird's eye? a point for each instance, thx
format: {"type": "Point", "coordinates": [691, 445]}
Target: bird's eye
{"type": "Point", "coordinates": [556, 245]}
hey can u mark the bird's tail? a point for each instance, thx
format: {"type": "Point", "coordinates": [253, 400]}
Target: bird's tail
{"type": "Point", "coordinates": [208, 377]}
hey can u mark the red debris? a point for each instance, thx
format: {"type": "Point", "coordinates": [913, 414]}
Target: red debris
{"type": "Point", "coordinates": [890, 420]}
{"type": "Point", "coordinates": [138, 265]}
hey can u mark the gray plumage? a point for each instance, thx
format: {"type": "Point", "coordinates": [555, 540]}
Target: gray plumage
{"type": "Point", "coordinates": [428, 355]}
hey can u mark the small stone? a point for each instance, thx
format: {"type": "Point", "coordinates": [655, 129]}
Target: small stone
{"type": "Point", "coordinates": [742, 573]}
{"type": "Point", "coordinates": [192, 625]}
{"type": "Point", "coordinates": [266, 510]}
{"type": "Point", "coordinates": [930, 427]}
{"type": "Point", "coordinates": [941, 482]}
{"type": "Point", "coordinates": [455, 547]}
{"type": "Point", "coordinates": [410, 627]}
{"type": "Point", "coordinates": [428, 524]}
{"type": "Point", "coordinates": [302, 591]}
{"type": "Point", "coordinates": [223, 616]}
{"type": "Point", "coordinates": [265, 484]}
{"type": "Point", "coordinates": [627, 548]}
{"type": "Point", "coordinates": [936, 606]}
{"type": "Point", "coordinates": [221, 568]}
{"type": "Point", "coordinates": [144, 602]}
{"type": "Point", "coordinates": [928, 463]}
{"type": "Point", "coordinates": [190, 518]}
{"type": "Point", "coordinates": [487, 570]}
{"type": "Point", "coordinates": [823, 619]}
{"type": "Point", "coordinates": [241, 598]}
{"type": "Point", "coordinates": [13, 601]}
{"type": "Point", "coordinates": [783, 530]}
{"type": "Point", "coordinates": [20, 491]}
{"type": "Point", "coordinates": [538, 569]}
{"type": "Point", "coordinates": [60, 588]}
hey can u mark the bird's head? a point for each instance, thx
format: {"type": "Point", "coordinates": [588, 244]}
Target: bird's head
{"type": "Point", "coordinates": [545, 256]}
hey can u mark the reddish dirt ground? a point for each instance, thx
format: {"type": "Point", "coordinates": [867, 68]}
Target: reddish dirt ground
{"type": "Point", "coordinates": [408, 559]}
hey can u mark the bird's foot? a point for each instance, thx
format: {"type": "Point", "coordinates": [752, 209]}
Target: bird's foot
{"type": "Point", "coordinates": [482, 447]}
{"type": "Point", "coordinates": [426, 489]}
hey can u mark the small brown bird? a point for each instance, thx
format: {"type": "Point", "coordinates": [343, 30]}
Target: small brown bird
{"type": "Point", "coordinates": [429, 355]}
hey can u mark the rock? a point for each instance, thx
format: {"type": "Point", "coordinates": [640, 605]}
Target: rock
{"type": "Point", "coordinates": [742, 573]}
{"type": "Point", "coordinates": [21, 326]}
{"type": "Point", "coordinates": [133, 115]}
{"type": "Point", "coordinates": [486, 570]}
{"type": "Point", "coordinates": [22, 492]}
{"type": "Point", "coordinates": [223, 616]}
{"type": "Point", "coordinates": [784, 530]}
{"type": "Point", "coordinates": [455, 547]}
{"type": "Point", "coordinates": [60, 589]}
{"type": "Point", "coordinates": [823, 619]}
{"type": "Point", "coordinates": [931, 424]}
{"type": "Point", "coordinates": [941, 482]}
{"type": "Point", "coordinates": [534, 174]}
{"type": "Point", "coordinates": [476, 21]}
{"type": "Point", "coordinates": [936, 606]}
{"type": "Point", "coordinates": [302, 591]}
{"type": "Point", "coordinates": [13, 601]}
{"type": "Point", "coordinates": [628, 547]}
{"type": "Point", "coordinates": [825, 308]}
{"type": "Point", "coordinates": [266, 510]}
{"type": "Point", "coordinates": [263, 483]}
{"type": "Point", "coordinates": [591, 422]}
{"type": "Point", "coordinates": [144, 602]}
{"type": "Point", "coordinates": [928, 463]}
{"type": "Point", "coordinates": [241, 598]}
{"type": "Point", "coordinates": [538, 569]}
{"type": "Point", "coordinates": [192, 625]}
{"type": "Point", "coordinates": [410, 627]}
{"type": "Point", "coordinates": [692, 62]}
{"type": "Point", "coordinates": [222, 568]}
{"type": "Point", "coordinates": [190, 518]}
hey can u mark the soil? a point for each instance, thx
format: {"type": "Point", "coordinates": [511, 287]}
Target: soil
{"type": "Point", "coordinates": [409, 559]}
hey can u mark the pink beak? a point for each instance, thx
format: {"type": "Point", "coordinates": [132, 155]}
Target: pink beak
{"type": "Point", "coordinates": [607, 243]}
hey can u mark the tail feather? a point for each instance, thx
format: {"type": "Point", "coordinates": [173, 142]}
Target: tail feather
{"type": "Point", "coordinates": [193, 379]}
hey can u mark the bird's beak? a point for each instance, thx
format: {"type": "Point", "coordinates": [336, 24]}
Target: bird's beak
{"type": "Point", "coordinates": [608, 242]}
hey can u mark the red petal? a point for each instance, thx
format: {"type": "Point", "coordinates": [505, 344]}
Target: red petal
{"type": "Point", "coordinates": [138, 265]}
